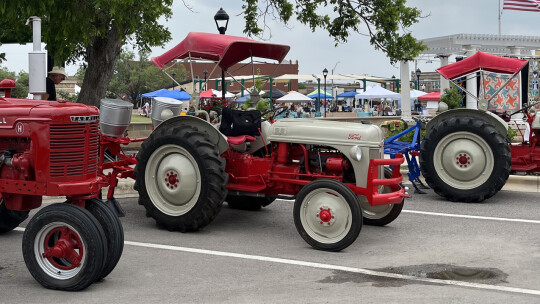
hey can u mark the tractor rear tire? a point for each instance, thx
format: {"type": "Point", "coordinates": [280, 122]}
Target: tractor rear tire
{"type": "Point", "coordinates": [327, 215]}
{"type": "Point", "coordinates": [248, 203]}
{"type": "Point", "coordinates": [64, 247]}
{"type": "Point", "coordinates": [181, 178]}
{"type": "Point", "coordinates": [114, 232]}
{"type": "Point", "coordinates": [10, 219]}
{"type": "Point", "coordinates": [383, 214]}
{"type": "Point", "coordinates": [465, 159]}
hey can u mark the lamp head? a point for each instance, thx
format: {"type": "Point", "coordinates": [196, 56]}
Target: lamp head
{"type": "Point", "coordinates": [222, 20]}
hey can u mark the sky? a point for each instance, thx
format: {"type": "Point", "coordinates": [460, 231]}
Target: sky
{"type": "Point", "coordinates": [316, 51]}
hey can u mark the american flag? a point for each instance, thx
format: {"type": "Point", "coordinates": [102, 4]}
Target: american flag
{"type": "Point", "coordinates": [522, 5]}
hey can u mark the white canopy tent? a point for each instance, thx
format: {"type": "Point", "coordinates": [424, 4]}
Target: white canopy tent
{"type": "Point", "coordinates": [294, 97]}
{"type": "Point", "coordinates": [377, 92]}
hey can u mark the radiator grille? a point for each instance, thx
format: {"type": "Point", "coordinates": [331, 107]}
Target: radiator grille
{"type": "Point", "coordinates": [74, 149]}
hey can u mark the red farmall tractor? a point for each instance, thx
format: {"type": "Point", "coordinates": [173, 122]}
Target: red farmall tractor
{"type": "Point", "coordinates": [50, 148]}
{"type": "Point", "coordinates": [335, 171]}
{"type": "Point", "coordinates": [466, 155]}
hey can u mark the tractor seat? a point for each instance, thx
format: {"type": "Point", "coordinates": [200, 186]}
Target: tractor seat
{"type": "Point", "coordinates": [238, 140]}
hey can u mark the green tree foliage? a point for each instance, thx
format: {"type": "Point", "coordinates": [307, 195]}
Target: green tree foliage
{"type": "Point", "coordinates": [93, 31]}
{"type": "Point", "coordinates": [21, 82]}
{"type": "Point", "coordinates": [384, 21]}
{"type": "Point", "coordinates": [133, 78]}
{"type": "Point", "coordinates": [452, 97]}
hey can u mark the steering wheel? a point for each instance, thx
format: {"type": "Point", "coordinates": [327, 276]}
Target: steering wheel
{"type": "Point", "coordinates": [524, 110]}
{"type": "Point", "coordinates": [274, 112]}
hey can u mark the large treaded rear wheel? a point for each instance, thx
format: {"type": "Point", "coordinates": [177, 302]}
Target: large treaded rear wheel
{"type": "Point", "coordinates": [181, 178]}
{"type": "Point", "coordinates": [465, 159]}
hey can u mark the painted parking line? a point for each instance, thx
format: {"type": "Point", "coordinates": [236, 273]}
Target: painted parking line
{"type": "Point", "coordinates": [336, 267]}
{"type": "Point", "coordinates": [501, 219]}
{"type": "Point", "coordinates": [363, 271]}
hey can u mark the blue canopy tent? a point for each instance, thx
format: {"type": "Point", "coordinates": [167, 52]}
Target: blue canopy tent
{"type": "Point", "coordinates": [155, 93]}
{"type": "Point", "coordinates": [350, 94]}
{"type": "Point", "coordinates": [176, 94]}
{"type": "Point", "coordinates": [243, 99]}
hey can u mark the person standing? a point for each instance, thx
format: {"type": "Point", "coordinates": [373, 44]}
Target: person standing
{"type": "Point", "coordinates": [56, 75]}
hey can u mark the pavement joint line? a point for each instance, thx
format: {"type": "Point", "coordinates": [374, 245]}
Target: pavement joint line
{"type": "Point", "coordinates": [316, 265]}
{"type": "Point", "coordinates": [501, 219]}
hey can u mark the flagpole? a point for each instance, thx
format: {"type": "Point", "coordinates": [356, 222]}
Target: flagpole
{"type": "Point", "coordinates": [500, 17]}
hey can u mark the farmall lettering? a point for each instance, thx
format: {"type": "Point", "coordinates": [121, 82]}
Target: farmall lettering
{"type": "Point", "coordinates": [3, 121]}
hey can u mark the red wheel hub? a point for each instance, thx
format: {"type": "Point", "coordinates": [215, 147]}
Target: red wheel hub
{"type": "Point", "coordinates": [63, 248]}
{"type": "Point", "coordinates": [172, 179]}
{"type": "Point", "coordinates": [326, 216]}
{"type": "Point", "coordinates": [463, 160]}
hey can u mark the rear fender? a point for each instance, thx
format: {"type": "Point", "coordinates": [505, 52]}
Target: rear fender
{"type": "Point", "coordinates": [487, 116]}
{"type": "Point", "coordinates": [202, 125]}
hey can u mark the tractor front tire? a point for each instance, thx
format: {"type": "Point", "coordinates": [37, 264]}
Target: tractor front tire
{"type": "Point", "coordinates": [64, 247]}
{"type": "Point", "coordinates": [10, 219]}
{"type": "Point", "coordinates": [327, 215]}
{"type": "Point", "coordinates": [381, 215]}
{"type": "Point", "coordinates": [465, 159]}
{"type": "Point", "coordinates": [181, 178]}
{"type": "Point", "coordinates": [114, 233]}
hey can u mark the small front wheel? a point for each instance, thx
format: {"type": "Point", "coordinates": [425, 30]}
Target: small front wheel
{"type": "Point", "coordinates": [327, 215]}
{"type": "Point", "coordinates": [64, 247]}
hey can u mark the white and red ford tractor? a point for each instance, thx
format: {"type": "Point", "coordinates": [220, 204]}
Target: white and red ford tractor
{"type": "Point", "coordinates": [466, 155]}
{"type": "Point", "coordinates": [335, 171]}
{"type": "Point", "coordinates": [50, 148]}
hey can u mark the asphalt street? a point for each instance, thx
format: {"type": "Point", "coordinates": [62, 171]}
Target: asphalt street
{"type": "Point", "coordinates": [435, 252]}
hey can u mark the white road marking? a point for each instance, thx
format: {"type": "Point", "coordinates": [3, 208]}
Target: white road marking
{"type": "Point", "coordinates": [363, 271]}
{"type": "Point", "coordinates": [354, 269]}
{"type": "Point", "coordinates": [502, 219]}
{"type": "Point", "coordinates": [336, 267]}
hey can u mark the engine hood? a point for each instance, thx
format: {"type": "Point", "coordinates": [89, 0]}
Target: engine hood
{"type": "Point", "coordinates": [325, 132]}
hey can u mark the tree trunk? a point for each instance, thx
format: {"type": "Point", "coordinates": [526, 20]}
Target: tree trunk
{"type": "Point", "coordinates": [101, 57]}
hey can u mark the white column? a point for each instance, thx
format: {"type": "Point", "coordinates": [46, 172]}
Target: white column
{"type": "Point", "coordinates": [405, 90]}
{"type": "Point", "coordinates": [444, 83]}
{"type": "Point", "coordinates": [515, 50]}
{"type": "Point", "coordinates": [471, 101]}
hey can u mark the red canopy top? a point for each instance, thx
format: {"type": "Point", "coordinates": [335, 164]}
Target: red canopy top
{"type": "Point", "coordinates": [433, 96]}
{"type": "Point", "coordinates": [481, 60]}
{"type": "Point", "coordinates": [228, 49]}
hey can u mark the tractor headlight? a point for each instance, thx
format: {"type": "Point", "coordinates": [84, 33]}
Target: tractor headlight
{"type": "Point", "coordinates": [356, 153]}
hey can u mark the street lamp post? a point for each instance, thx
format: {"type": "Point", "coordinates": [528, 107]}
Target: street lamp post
{"type": "Point", "coordinates": [173, 74]}
{"type": "Point", "coordinates": [223, 19]}
{"type": "Point", "coordinates": [418, 72]}
{"type": "Point", "coordinates": [325, 73]}
{"type": "Point", "coordinates": [205, 73]}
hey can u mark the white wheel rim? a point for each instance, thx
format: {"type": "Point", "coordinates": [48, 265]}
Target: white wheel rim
{"type": "Point", "coordinates": [324, 202]}
{"type": "Point", "coordinates": [463, 160]}
{"type": "Point", "coordinates": [173, 180]}
{"type": "Point", "coordinates": [45, 264]}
